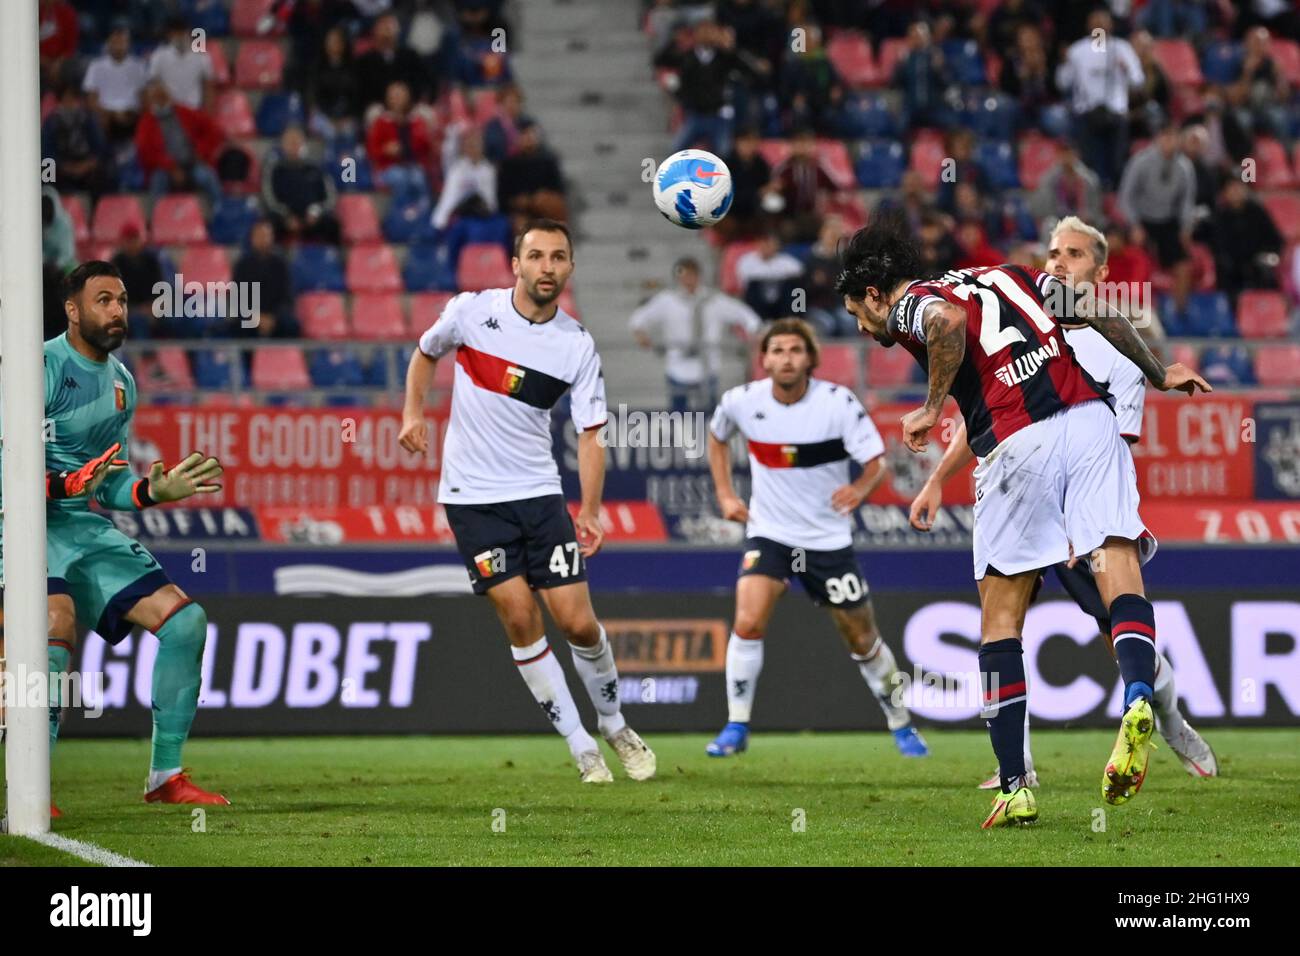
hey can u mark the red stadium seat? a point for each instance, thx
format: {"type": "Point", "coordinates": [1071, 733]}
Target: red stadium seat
{"type": "Point", "coordinates": [377, 317]}
{"type": "Point", "coordinates": [850, 208]}
{"type": "Point", "coordinates": [1204, 275]}
{"type": "Point", "coordinates": [234, 114]}
{"type": "Point", "coordinates": [834, 157]}
{"type": "Point", "coordinates": [113, 214]}
{"type": "Point", "coordinates": [49, 103]}
{"type": "Point", "coordinates": [483, 265]}
{"type": "Point", "coordinates": [246, 15]}
{"type": "Point", "coordinates": [426, 307]}
{"type": "Point", "coordinates": [841, 364]}
{"type": "Point", "coordinates": [727, 279]}
{"type": "Point", "coordinates": [220, 62]}
{"type": "Point", "coordinates": [775, 151]}
{"type": "Point", "coordinates": [1187, 355]}
{"type": "Point", "coordinates": [1286, 54]}
{"type": "Point", "coordinates": [1272, 165]}
{"type": "Point", "coordinates": [927, 156]}
{"type": "Point", "coordinates": [167, 370]}
{"type": "Point", "coordinates": [87, 251]}
{"type": "Point", "coordinates": [1278, 365]}
{"type": "Point", "coordinates": [1283, 207]}
{"type": "Point", "coordinates": [889, 368]}
{"type": "Point", "coordinates": [322, 316]}
{"type": "Point", "coordinates": [568, 303]}
{"type": "Point", "coordinates": [1262, 314]}
{"type": "Point", "coordinates": [1038, 154]}
{"type": "Point", "coordinates": [259, 65]}
{"type": "Point", "coordinates": [280, 369]}
{"type": "Point", "coordinates": [373, 268]}
{"type": "Point", "coordinates": [178, 220]}
{"type": "Point", "coordinates": [77, 213]}
{"type": "Point", "coordinates": [358, 221]}
{"type": "Point", "coordinates": [891, 52]}
{"type": "Point", "coordinates": [851, 54]}
{"type": "Point", "coordinates": [205, 264]}
{"type": "Point", "coordinates": [1178, 60]}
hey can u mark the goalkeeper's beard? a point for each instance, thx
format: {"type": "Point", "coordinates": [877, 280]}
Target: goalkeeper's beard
{"type": "Point", "coordinates": [104, 339]}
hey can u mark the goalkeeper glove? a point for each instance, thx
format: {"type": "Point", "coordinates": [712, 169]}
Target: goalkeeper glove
{"type": "Point", "coordinates": [83, 482]}
{"type": "Point", "coordinates": [193, 475]}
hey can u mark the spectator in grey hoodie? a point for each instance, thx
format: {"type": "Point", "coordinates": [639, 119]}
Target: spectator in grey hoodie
{"type": "Point", "coordinates": [1157, 196]}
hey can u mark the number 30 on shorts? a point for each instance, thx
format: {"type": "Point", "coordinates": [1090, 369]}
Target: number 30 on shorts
{"type": "Point", "coordinates": [562, 565]}
{"type": "Point", "coordinates": [847, 588]}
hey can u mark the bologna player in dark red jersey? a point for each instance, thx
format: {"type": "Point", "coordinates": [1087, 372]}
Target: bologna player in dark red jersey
{"type": "Point", "coordinates": [1055, 480]}
{"type": "Point", "coordinates": [517, 353]}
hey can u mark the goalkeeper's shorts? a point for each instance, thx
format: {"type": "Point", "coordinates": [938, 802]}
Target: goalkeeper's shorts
{"type": "Point", "coordinates": [100, 568]}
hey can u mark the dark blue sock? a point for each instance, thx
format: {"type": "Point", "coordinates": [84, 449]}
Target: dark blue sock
{"type": "Point", "coordinates": [1133, 627]}
{"type": "Point", "coordinates": [1002, 672]}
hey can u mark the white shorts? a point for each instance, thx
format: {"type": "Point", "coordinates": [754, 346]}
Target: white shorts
{"type": "Point", "coordinates": [1066, 481]}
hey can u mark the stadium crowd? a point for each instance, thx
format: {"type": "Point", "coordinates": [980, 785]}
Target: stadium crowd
{"type": "Point", "coordinates": [1171, 125]}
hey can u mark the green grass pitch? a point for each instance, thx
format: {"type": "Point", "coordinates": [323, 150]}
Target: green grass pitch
{"type": "Point", "coordinates": [794, 799]}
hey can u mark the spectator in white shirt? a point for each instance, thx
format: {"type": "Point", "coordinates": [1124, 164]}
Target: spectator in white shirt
{"type": "Point", "coordinates": [471, 185]}
{"type": "Point", "coordinates": [185, 73]}
{"type": "Point", "coordinates": [113, 84]}
{"type": "Point", "coordinates": [686, 325]}
{"type": "Point", "coordinates": [767, 277]}
{"type": "Point", "coordinates": [1097, 72]}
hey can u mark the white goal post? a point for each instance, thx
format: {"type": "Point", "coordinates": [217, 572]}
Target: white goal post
{"type": "Point", "coordinates": [22, 397]}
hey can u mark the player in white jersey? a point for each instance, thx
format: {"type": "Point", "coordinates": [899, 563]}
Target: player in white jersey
{"type": "Point", "coordinates": [517, 353]}
{"type": "Point", "coordinates": [801, 433]}
{"type": "Point", "coordinates": [1077, 255]}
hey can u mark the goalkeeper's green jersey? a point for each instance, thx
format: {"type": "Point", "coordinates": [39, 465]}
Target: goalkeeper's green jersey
{"type": "Point", "coordinates": [88, 407]}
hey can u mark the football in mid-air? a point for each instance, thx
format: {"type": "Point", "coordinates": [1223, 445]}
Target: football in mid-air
{"type": "Point", "coordinates": [693, 188]}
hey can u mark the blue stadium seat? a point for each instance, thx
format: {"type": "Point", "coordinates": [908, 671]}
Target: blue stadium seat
{"type": "Point", "coordinates": [277, 111]}
{"type": "Point", "coordinates": [376, 371]}
{"type": "Point", "coordinates": [428, 269]}
{"type": "Point", "coordinates": [866, 115]}
{"type": "Point", "coordinates": [990, 116]}
{"type": "Point", "coordinates": [211, 15]}
{"type": "Point", "coordinates": [409, 222]}
{"type": "Point", "coordinates": [360, 179]}
{"type": "Point", "coordinates": [331, 368]}
{"type": "Point", "coordinates": [317, 269]}
{"type": "Point", "coordinates": [130, 176]}
{"type": "Point", "coordinates": [1227, 365]}
{"type": "Point", "coordinates": [1210, 313]}
{"type": "Point", "coordinates": [1018, 219]}
{"type": "Point", "coordinates": [965, 62]}
{"type": "Point", "coordinates": [232, 218]}
{"type": "Point", "coordinates": [1175, 323]}
{"type": "Point", "coordinates": [216, 370]}
{"type": "Point", "coordinates": [998, 160]}
{"type": "Point", "coordinates": [880, 164]}
{"type": "Point", "coordinates": [1221, 61]}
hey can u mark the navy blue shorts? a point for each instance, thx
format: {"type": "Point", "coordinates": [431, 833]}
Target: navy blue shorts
{"type": "Point", "coordinates": [832, 578]}
{"type": "Point", "coordinates": [532, 536]}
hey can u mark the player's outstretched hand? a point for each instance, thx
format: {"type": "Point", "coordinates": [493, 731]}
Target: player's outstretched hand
{"type": "Point", "coordinates": [195, 474]}
{"type": "Point", "coordinates": [590, 534]}
{"type": "Point", "coordinates": [847, 498]}
{"type": "Point", "coordinates": [916, 428]}
{"type": "Point", "coordinates": [414, 435]}
{"type": "Point", "coordinates": [1179, 376]}
{"type": "Point", "coordinates": [733, 509]}
{"type": "Point", "coordinates": [925, 506]}
{"type": "Point", "coordinates": [83, 482]}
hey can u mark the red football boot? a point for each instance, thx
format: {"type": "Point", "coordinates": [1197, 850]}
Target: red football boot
{"type": "Point", "coordinates": [179, 788]}
{"type": "Point", "coordinates": [55, 812]}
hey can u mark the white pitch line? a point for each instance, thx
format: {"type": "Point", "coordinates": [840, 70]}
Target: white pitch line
{"type": "Point", "coordinates": [86, 851]}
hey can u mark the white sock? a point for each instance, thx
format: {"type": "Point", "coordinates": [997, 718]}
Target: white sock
{"type": "Point", "coordinates": [595, 665]}
{"type": "Point", "coordinates": [1165, 698]}
{"type": "Point", "coordinates": [744, 663]}
{"type": "Point", "coordinates": [1029, 758]}
{"type": "Point", "coordinates": [545, 678]}
{"type": "Point", "coordinates": [877, 667]}
{"type": "Point", "coordinates": [158, 777]}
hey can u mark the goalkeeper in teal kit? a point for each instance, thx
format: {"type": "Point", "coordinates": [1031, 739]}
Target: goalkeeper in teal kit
{"type": "Point", "coordinates": [97, 575]}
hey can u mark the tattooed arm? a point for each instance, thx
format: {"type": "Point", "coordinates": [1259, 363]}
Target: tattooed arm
{"type": "Point", "coordinates": [945, 343]}
{"type": "Point", "coordinates": [1116, 328]}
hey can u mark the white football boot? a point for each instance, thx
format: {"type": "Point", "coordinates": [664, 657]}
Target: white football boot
{"type": "Point", "coordinates": [638, 759]}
